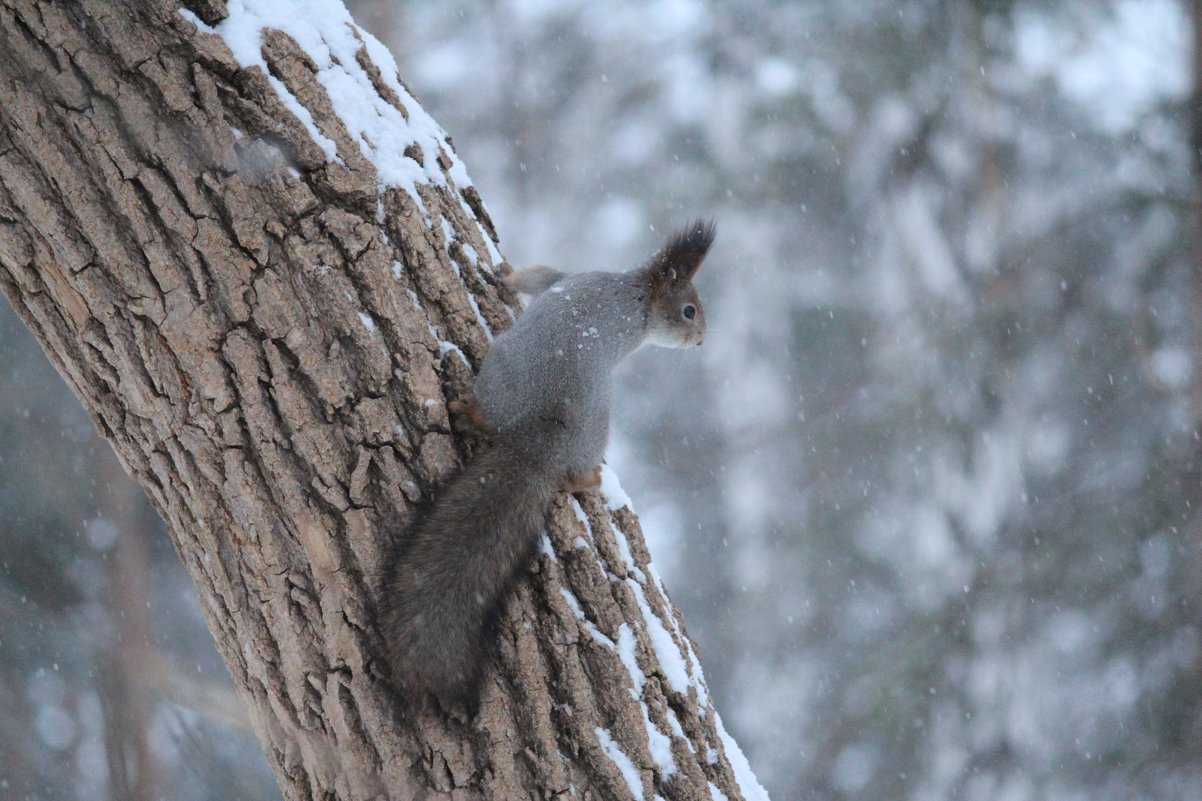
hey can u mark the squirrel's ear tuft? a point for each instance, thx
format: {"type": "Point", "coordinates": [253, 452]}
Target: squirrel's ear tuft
{"type": "Point", "coordinates": [683, 254]}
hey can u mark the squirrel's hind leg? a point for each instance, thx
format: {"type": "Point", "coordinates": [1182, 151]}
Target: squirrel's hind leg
{"type": "Point", "coordinates": [585, 481]}
{"type": "Point", "coordinates": [467, 417]}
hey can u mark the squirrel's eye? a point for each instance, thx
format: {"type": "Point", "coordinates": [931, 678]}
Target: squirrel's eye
{"type": "Point", "coordinates": [689, 311]}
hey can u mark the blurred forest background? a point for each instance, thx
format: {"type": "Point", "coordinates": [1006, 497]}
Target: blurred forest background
{"type": "Point", "coordinates": [929, 495]}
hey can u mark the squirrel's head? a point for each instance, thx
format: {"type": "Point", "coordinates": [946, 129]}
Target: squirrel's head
{"type": "Point", "coordinates": [675, 318]}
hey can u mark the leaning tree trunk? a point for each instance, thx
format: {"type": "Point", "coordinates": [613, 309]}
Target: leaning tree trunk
{"type": "Point", "coordinates": [263, 270]}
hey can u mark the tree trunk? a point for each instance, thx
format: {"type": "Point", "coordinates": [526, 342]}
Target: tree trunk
{"type": "Point", "coordinates": [264, 306]}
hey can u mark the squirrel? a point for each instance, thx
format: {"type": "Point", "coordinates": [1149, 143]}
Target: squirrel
{"type": "Point", "coordinates": [542, 395]}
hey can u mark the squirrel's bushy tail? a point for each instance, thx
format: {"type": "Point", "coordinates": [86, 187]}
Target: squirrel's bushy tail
{"type": "Point", "coordinates": [451, 576]}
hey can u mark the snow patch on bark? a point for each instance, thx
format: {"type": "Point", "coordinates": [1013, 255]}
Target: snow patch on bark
{"type": "Point", "coordinates": [658, 743]}
{"type": "Point", "coordinates": [667, 652]}
{"type": "Point", "coordinates": [749, 785]}
{"type": "Point", "coordinates": [325, 31]}
{"type": "Point", "coordinates": [615, 496]}
{"type": "Point", "coordinates": [629, 772]}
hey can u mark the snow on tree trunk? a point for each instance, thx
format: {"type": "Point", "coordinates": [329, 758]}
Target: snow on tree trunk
{"type": "Point", "coordinates": [263, 270]}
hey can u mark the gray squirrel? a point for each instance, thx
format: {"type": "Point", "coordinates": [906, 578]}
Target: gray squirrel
{"type": "Point", "coordinates": [543, 395]}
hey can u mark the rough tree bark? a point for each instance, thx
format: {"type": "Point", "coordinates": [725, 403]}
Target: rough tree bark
{"type": "Point", "coordinates": [265, 317]}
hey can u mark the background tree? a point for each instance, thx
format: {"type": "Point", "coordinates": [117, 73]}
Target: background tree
{"type": "Point", "coordinates": [258, 263]}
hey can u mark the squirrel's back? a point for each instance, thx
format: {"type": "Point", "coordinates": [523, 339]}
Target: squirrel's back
{"type": "Point", "coordinates": [554, 365]}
